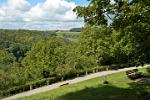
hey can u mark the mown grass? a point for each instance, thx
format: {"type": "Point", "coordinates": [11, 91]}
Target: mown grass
{"type": "Point", "coordinates": [119, 88]}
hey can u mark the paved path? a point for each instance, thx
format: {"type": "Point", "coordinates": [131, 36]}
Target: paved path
{"type": "Point", "coordinates": [57, 85]}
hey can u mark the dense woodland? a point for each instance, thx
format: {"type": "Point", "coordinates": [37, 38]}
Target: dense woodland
{"type": "Point", "coordinates": [115, 34]}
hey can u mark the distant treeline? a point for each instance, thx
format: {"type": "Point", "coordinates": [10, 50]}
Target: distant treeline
{"type": "Point", "coordinates": [75, 30]}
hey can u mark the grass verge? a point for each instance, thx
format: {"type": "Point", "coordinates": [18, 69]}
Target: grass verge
{"type": "Point", "coordinates": [119, 88]}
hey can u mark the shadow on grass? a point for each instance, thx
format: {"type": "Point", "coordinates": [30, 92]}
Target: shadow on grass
{"type": "Point", "coordinates": [108, 92]}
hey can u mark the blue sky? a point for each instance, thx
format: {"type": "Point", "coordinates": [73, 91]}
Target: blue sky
{"type": "Point", "coordinates": [39, 14]}
{"type": "Point", "coordinates": [80, 2]}
{"type": "Point", "coordinates": [34, 2]}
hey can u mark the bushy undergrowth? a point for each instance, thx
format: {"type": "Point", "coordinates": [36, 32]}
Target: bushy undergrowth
{"type": "Point", "coordinates": [134, 74]}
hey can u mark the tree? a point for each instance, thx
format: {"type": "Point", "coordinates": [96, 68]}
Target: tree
{"type": "Point", "coordinates": [6, 57]}
{"type": "Point", "coordinates": [18, 51]}
{"type": "Point", "coordinates": [44, 56]}
{"type": "Point", "coordinates": [130, 20]}
{"type": "Point", "coordinates": [95, 41]}
{"type": "Point", "coordinates": [13, 76]}
{"type": "Point", "coordinates": [93, 14]}
{"type": "Point", "coordinates": [134, 25]}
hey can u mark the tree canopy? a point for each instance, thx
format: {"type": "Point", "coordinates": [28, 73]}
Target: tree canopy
{"type": "Point", "coordinates": [130, 25]}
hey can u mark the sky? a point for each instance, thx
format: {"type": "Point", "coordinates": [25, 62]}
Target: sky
{"type": "Point", "coordinates": [40, 14]}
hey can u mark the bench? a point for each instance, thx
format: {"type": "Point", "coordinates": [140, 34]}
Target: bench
{"type": "Point", "coordinates": [64, 84]}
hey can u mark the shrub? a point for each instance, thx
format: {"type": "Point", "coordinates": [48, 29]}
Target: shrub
{"type": "Point", "coordinates": [102, 68]}
{"type": "Point", "coordinates": [53, 80]}
{"type": "Point", "coordinates": [70, 75]}
{"type": "Point", "coordinates": [148, 69]}
{"type": "Point", "coordinates": [135, 75]}
{"type": "Point", "coordinates": [15, 90]}
{"type": "Point", "coordinates": [105, 82]}
{"type": "Point", "coordinates": [90, 71]}
{"type": "Point", "coordinates": [124, 66]}
{"type": "Point", "coordinates": [26, 87]}
{"type": "Point", "coordinates": [118, 66]}
{"type": "Point", "coordinates": [131, 71]}
{"type": "Point", "coordinates": [81, 73]}
{"type": "Point", "coordinates": [113, 66]}
{"type": "Point", "coordinates": [38, 83]}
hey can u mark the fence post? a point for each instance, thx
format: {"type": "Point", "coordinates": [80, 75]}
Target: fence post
{"type": "Point", "coordinates": [77, 75]}
{"type": "Point", "coordinates": [47, 82]}
{"type": "Point", "coordinates": [31, 87]}
{"type": "Point", "coordinates": [93, 70]}
{"type": "Point", "coordinates": [86, 73]}
{"type": "Point", "coordinates": [62, 79]}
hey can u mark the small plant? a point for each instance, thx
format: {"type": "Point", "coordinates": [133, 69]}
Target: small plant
{"type": "Point", "coordinates": [148, 69]}
{"type": "Point", "coordinates": [104, 80]}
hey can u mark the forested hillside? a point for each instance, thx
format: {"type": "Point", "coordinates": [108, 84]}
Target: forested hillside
{"type": "Point", "coordinates": [115, 35]}
{"type": "Point", "coordinates": [14, 44]}
{"type": "Point", "coordinates": [27, 56]}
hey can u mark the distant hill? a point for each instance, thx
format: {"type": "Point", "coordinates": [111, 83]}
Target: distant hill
{"type": "Point", "coordinates": [75, 29]}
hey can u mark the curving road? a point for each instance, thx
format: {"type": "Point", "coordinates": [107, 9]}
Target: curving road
{"type": "Point", "coordinates": [57, 85]}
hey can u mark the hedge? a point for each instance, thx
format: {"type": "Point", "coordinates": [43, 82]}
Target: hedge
{"type": "Point", "coordinates": [118, 66]}
{"type": "Point", "coordinates": [134, 74]}
{"type": "Point", "coordinates": [28, 86]}
{"type": "Point", "coordinates": [47, 81]}
{"type": "Point", "coordinates": [131, 71]}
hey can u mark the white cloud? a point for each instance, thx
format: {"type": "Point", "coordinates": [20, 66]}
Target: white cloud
{"type": "Point", "coordinates": [22, 10]}
{"type": "Point", "coordinates": [14, 9]}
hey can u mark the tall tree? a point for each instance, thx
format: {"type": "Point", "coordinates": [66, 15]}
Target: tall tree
{"type": "Point", "coordinates": [44, 57]}
{"type": "Point", "coordinates": [95, 41]}
{"type": "Point", "coordinates": [130, 20]}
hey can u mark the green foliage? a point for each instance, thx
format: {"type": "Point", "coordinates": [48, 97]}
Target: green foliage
{"type": "Point", "coordinates": [28, 86]}
{"type": "Point", "coordinates": [115, 34]}
{"type": "Point", "coordinates": [6, 57]}
{"type": "Point", "coordinates": [24, 37]}
{"type": "Point", "coordinates": [119, 88]}
{"type": "Point", "coordinates": [14, 76]}
{"type": "Point", "coordinates": [95, 41]}
{"type": "Point", "coordinates": [44, 56]}
{"type": "Point", "coordinates": [18, 51]}
{"type": "Point", "coordinates": [134, 74]}
{"type": "Point", "coordinates": [94, 13]}
{"type": "Point", "coordinates": [148, 69]}
{"type": "Point", "coordinates": [129, 22]}
{"type": "Point", "coordinates": [14, 44]}
{"type": "Point", "coordinates": [72, 36]}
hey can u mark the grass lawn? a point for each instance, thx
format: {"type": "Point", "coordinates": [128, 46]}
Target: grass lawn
{"type": "Point", "coordinates": [119, 88]}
